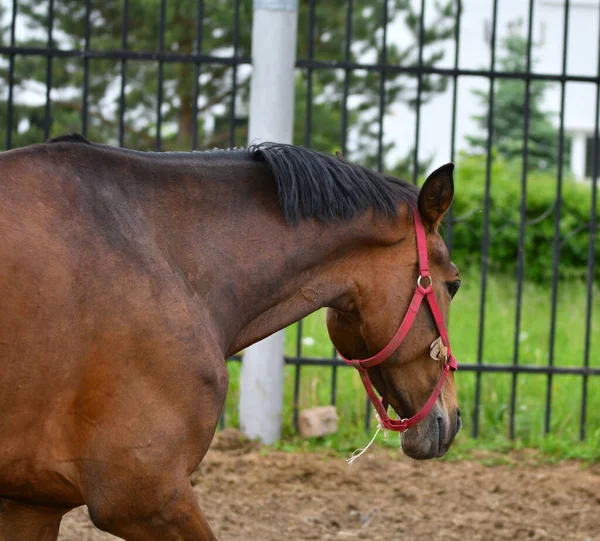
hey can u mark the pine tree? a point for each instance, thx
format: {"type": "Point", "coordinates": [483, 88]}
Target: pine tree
{"type": "Point", "coordinates": [329, 34]}
{"type": "Point", "coordinates": [509, 110]}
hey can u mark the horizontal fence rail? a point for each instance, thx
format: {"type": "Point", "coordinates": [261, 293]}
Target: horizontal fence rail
{"type": "Point", "coordinates": [334, 364]}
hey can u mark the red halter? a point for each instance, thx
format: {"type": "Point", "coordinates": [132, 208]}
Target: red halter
{"type": "Point", "coordinates": [401, 425]}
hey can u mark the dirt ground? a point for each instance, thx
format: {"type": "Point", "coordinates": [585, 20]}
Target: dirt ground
{"type": "Point", "coordinates": [252, 495]}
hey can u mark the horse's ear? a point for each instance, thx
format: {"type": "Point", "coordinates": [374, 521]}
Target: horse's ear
{"type": "Point", "coordinates": [436, 196]}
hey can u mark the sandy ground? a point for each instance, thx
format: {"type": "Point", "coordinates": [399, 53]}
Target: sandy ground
{"type": "Point", "coordinates": [251, 495]}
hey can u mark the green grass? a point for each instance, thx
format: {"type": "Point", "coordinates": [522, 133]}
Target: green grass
{"type": "Point", "coordinates": [498, 347]}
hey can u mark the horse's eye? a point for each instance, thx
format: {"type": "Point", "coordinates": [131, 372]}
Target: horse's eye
{"type": "Point", "coordinates": [453, 287]}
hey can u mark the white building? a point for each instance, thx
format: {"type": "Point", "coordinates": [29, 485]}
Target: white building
{"type": "Point", "coordinates": [475, 54]}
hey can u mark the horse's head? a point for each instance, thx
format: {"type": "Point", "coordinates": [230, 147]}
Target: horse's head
{"type": "Point", "coordinates": [385, 284]}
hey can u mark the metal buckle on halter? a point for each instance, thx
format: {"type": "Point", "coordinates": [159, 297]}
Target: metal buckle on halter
{"type": "Point", "coordinates": [421, 277]}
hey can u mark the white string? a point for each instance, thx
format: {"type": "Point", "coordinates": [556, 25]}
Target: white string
{"type": "Point", "coordinates": [380, 426]}
{"type": "Point", "coordinates": [351, 460]}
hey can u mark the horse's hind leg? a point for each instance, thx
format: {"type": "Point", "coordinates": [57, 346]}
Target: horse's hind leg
{"type": "Point", "coordinates": [168, 516]}
{"type": "Point", "coordinates": [20, 522]}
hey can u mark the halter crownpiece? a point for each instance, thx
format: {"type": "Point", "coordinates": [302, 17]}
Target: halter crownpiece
{"type": "Point", "coordinates": [439, 349]}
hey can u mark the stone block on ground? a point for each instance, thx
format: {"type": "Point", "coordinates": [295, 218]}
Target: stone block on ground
{"type": "Point", "coordinates": [316, 422]}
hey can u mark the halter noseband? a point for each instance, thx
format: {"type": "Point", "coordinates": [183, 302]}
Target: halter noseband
{"type": "Point", "coordinates": [422, 291]}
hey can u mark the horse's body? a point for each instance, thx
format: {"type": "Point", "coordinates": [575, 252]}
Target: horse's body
{"type": "Point", "coordinates": [127, 278]}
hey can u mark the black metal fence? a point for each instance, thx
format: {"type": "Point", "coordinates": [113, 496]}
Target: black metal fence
{"type": "Point", "coordinates": [104, 67]}
{"type": "Point", "coordinates": [420, 69]}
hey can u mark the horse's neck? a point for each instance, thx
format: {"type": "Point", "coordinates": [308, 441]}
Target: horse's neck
{"type": "Point", "coordinates": [285, 274]}
{"type": "Point", "coordinates": [292, 272]}
{"type": "Point", "coordinates": [254, 273]}
{"type": "Point", "coordinates": [287, 299]}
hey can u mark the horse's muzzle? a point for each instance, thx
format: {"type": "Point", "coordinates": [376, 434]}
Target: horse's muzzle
{"type": "Point", "coordinates": [434, 436]}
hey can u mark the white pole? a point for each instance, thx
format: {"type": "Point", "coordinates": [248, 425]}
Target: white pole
{"type": "Point", "coordinates": [271, 119]}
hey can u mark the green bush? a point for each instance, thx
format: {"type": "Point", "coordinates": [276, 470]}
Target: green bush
{"type": "Point", "coordinates": [505, 198]}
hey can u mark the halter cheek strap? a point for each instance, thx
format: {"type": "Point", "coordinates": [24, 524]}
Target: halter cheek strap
{"type": "Point", "coordinates": [422, 292]}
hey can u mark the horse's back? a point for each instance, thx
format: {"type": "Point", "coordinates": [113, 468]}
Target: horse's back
{"type": "Point", "coordinates": [55, 261]}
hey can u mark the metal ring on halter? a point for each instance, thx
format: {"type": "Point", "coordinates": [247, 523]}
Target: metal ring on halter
{"type": "Point", "coordinates": [421, 277]}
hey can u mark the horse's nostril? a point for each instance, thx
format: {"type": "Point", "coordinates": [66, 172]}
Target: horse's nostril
{"type": "Point", "coordinates": [458, 412]}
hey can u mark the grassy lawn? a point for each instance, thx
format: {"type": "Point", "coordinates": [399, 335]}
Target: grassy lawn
{"type": "Point", "coordinates": [498, 347]}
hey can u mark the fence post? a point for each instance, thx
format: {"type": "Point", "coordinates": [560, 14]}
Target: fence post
{"type": "Point", "coordinates": [271, 119]}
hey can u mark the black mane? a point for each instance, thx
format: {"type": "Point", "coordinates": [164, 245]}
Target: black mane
{"type": "Point", "coordinates": [310, 184]}
{"type": "Point", "coordinates": [69, 138]}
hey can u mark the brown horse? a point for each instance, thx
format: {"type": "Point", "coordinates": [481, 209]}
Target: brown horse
{"type": "Point", "coordinates": [127, 279]}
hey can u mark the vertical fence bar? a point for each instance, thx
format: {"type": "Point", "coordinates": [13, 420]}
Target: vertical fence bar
{"type": "Point", "coordinates": [333, 380]}
{"type": "Point", "coordinates": [485, 242]}
{"type": "Point", "coordinates": [234, 70]}
{"type": "Point", "coordinates": [450, 220]}
{"type": "Point", "coordinates": [557, 211]}
{"type": "Point", "coordinates": [86, 69]}
{"type": "Point", "coordinates": [382, 78]}
{"type": "Point", "coordinates": [333, 398]}
{"type": "Point", "coordinates": [419, 92]}
{"type": "Point", "coordinates": [47, 120]}
{"type": "Point", "coordinates": [11, 78]}
{"type": "Point", "coordinates": [124, 31]}
{"type": "Point", "coordinates": [309, 74]}
{"type": "Point", "coordinates": [307, 139]}
{"type": "Point", "coordinates": [591, 258]}
{"type": "Point", "coordinates": [299, 339]}
{"type": "Point", "coordinates": [296, 394]}
{"type": "Point", "coordinates": [297, 375]}
{"type": "Point", "coordinates": [522, 222]}
{"type": "Point", "coordinates": [161, 68]}
{"type": "Point", "coordinates": [347, 71]}
{"type": "Point", "coordinates": [198, 51]}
